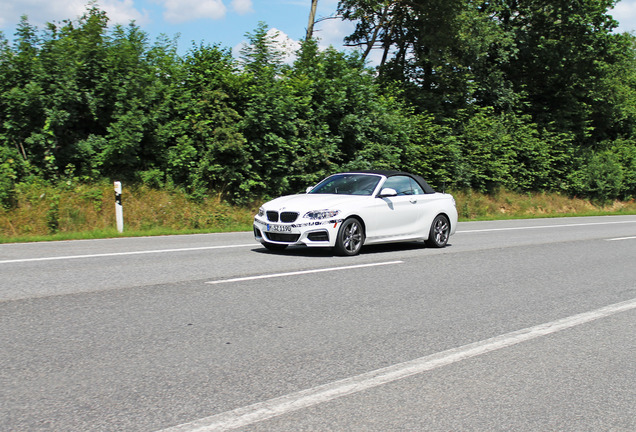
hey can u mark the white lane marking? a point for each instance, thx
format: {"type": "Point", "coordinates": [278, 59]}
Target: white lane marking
{"type": "Point", "coordinates": [306, 398]}
{"type": "Point", "coordinates": [542, 227]}
{"type": "Point", "coordinates": [124, 253]}
{"type": "Point", "coordinates": [302, 272]}
{"type": "Point", "coordinates": [253, 244]}
{"type": "Point", "coordinates": [621, 238]}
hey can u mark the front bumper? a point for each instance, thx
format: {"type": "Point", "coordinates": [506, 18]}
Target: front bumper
{"type": "Point", "coordinates": [308, 233]}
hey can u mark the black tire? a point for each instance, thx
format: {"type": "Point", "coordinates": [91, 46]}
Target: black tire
{"type": "Point", "coordinates": [274, 246]}
{"type": "Point", "coordinates": [350, 237]}
{"type": "Point", "coordinates": [439, 233]}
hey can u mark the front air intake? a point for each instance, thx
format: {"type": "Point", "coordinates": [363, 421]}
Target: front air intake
{"type": "Point", "coordinates": [286, 238]}
{"type": "Point", "coordinates": [318, 236]}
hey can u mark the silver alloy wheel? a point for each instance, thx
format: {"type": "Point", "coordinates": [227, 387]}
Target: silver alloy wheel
{"type": "Point", "coordinates": [440, 231]}
{"type": "Point", "coordinates": [350, 237]}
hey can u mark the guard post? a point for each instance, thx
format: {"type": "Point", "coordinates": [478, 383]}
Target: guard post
{"type": "Point", "coordinates": [119, 211]}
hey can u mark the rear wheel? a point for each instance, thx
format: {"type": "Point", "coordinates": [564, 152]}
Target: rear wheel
{"type": "Point", "coordinates": [439, 233]}
{"type": "Point", "coordinates": [274, 246]}
{"type": "Point", "coordinates": [350, 237]}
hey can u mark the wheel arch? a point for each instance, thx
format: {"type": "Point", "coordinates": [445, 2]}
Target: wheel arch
{"type": "Point", "coordinates": [432, 219]}
{"type": "Point", "coordinates": [360, 219]}
{"type": "Point", "coordinates": [445, 214]}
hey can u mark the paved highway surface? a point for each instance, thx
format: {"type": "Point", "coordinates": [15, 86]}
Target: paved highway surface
{"type": "Point", "coordinates": [522, 325]}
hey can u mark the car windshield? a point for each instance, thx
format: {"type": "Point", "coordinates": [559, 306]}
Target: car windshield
{"type": "Point", "coordinates": [347, 184]}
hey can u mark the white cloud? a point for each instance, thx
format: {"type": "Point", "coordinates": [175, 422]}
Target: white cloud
{"type": "Point", "coordinates": [285, 44]}
{"type": "Point", "coordinates": [282, 41]}
{"type": "Point", "coordinates": [328, 33]}
{"type": "Point", "coordinates": [39, 12]}
{"type": "Point", "coordinates": [179, 11]}
{"type": "Point", "coordinates": [333, 32]}
{"type": "Point", "coordinates": [123, 12]}
{"type": "Point", "coordinates": [625, 14]}
{"type": "Point", "coordinates": [242, 7]}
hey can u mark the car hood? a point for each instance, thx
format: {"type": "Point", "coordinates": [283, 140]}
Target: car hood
{"type": "Point", "coordinates": [307, 202]}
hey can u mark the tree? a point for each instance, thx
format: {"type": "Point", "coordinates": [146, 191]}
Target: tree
{"type": "Point", "coordinates": [208, 148]}
{"type": "Point", "coordinates": [428, 47]}
{"type": "Point", "coordinates": [563, 50]}
{"type": "Point", "coordinates": [269, 120]}
{"type": "Point", "coordinates": [351, 122]}
{"type": "Point", "coordinates": [544, 57]}
{"type": "Point", "coordinates": [21, 95]}
{"type": "Point", "coordinates": [312, 19]}
{"type": "Point", "coordinates": [72, 58]}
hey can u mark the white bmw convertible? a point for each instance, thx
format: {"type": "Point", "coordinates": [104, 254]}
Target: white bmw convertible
{"type": "Point", "coordinates": [348, 210]}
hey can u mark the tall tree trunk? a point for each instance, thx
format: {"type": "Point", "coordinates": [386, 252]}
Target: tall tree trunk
{"type": "Point", "coordinates": [377, 29]}
{"type": "Point", "coordinates": [312, 19]}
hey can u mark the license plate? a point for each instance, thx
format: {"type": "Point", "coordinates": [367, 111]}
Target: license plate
{"type": "Point", "coordinates": [278, 228]}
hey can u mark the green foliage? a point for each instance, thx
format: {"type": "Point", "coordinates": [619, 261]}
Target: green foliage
{"type": "Point", "coordinates": [154, 178]}
{"type": "Point", "coordinates": [607, 174]}
{"type": "Point", "coordinates": [12, 168]}
{"type": "Point", "coordinates": [625, 151]}
{"type": "Point", "coordinates": [525, 96]}
{"type": "Point", "coordinates": [601, 178]}
{"type": "Point", "coordinates": [558, 62]}
{"type": "Point", "coordinates": [434, 153]}
{"type": "Point", "coordinates": [208, 150]}
{"type": "Point", "coordinates": [53, 215]}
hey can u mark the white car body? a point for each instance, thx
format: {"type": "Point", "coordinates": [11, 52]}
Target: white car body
{"type": "Point", "coordinates": [384, 218]}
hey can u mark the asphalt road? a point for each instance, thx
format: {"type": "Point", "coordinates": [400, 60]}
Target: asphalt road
{"type": "Point", "coordinates": [520, 325]}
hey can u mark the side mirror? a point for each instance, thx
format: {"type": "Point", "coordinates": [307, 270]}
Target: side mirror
{"type": "Point", "coordinates": [387, 192]}
{"type": "Point", "coordinates": [309, 189]}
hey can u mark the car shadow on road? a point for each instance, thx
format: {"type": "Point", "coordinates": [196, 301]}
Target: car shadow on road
{"type": "Point", "coordinates": [320, 252]}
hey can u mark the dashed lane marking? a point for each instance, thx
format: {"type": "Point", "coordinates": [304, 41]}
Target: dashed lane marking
{"type": "Point", "coordinates": [69, 257]}
{"type": "Point", "coordinates": [302, 272]}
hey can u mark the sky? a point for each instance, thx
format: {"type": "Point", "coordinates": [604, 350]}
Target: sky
{"type": "Point", "coordinates": [222, 22]}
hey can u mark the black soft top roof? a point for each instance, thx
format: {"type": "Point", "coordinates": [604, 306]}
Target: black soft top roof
{"type": "Point", "coordinates": [390, 173]}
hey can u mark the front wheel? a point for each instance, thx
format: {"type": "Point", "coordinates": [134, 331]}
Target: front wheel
{"type": "Point", "coordinates": [439, 233]}
{"type": "Point", "coordinates": [350, 237]}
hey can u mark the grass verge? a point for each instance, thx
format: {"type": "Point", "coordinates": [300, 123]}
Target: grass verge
{"type": "Point", "coordinates": [87, 211]}
{"type": "Point", "coordinates": [512, 205]}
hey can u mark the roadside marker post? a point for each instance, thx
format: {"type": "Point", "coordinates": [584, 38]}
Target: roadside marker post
{"type": "Point", "coordinates": [119, 211]}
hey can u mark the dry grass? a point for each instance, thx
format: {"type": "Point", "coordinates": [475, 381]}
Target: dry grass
{"type": "Point", "coordinates": [508, 205]}
{"type": "Point", "coordinates": [88, 211]}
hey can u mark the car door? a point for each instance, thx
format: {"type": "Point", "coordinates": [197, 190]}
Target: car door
{"type": "Point", "coordinates": [397, 216]}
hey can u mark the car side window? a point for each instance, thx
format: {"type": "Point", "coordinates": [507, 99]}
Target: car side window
{"type": "Point", "coordinates": [417, 189]}
{"type": "Point", "coordinates": [403, 185]}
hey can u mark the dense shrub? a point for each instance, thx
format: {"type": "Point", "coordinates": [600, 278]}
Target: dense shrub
{"type": "Point", "coordinates": [88, 102]}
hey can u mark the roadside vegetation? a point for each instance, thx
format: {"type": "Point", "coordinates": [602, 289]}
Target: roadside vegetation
{"type": "Point", "coordinates": [71, 211]}
{"type": "Point", "coordinates": [518, 106]}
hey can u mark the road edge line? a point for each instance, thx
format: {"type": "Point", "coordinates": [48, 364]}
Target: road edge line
{"type": "Point", "coordinates": [306, 398]}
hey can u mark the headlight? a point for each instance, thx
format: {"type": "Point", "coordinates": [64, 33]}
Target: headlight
{"type": "Point", "coordinates": [261, 212]}
{"type": "Point", "coordinates": [321, 214]}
